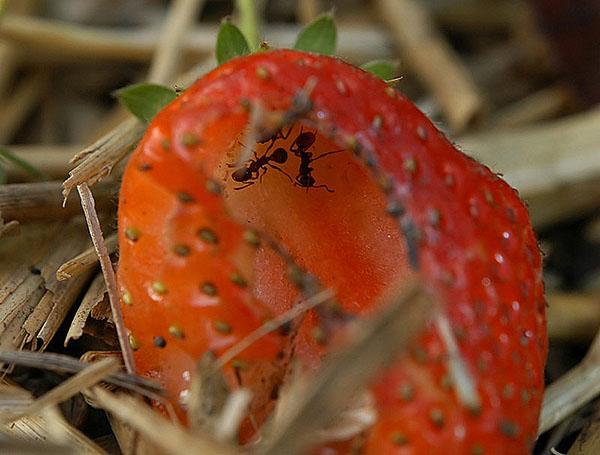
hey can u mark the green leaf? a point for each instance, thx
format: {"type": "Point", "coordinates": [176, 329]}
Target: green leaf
{"type": "Point", "coordinates": [7, 156]}
{"type": "Point", "coordinates": [2, 176]}
{"type": "Point", "coordinates": [383, 69]}
{"type": "Point", "coordinates": [230, 43]}
{"type": "Point", "coordinates": [319, 37]}
{"type": "Point", "coordinates": [145, 100]}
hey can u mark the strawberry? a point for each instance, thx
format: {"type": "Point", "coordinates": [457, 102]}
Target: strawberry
{"type": "Point", "coordinates": [361, 190]}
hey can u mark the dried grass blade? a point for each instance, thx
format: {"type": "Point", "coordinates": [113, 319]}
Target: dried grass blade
{"type": "Point", "coordinates": [84, 379]}
{"type": "Point", "coordinates": [66, 364]}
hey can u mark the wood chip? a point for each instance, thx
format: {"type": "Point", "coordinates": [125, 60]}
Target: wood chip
{"type": "Point", "coordinates": [86, 260]}
{"type": "Point", "coordinates": [94, 295]}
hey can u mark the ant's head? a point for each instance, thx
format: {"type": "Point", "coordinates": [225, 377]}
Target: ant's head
{"type": "Point", "coordinates": [279, 155]}
{"type": "Point", "coordinates": [305, 140]}
{"type": "Point", "coordinates": [241, 174]}
{"type": "Point", "coordinates": [306, 181]}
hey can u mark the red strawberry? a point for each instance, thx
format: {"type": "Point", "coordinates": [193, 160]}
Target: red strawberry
{"type": "Point", "coordinates": [399, 200]}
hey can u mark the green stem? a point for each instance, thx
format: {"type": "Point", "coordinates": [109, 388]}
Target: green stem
{"type": "Point", "coordinates": [248, 21]}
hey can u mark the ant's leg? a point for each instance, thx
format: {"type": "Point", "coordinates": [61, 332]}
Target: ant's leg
{"type": "Point", "coordinates": [322, 155]}
{"type": "Point", "coordinates": [282, 171]}
{"type": "Point", "coordinates": [287, 134]}
{"type": "Point", "coordinates": [323, 186]}
{"type": "Point", "coordinates": [245, 186]}
{"type": "Point", "coordinates": [260, 176]}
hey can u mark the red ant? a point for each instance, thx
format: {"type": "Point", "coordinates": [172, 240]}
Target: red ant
{"type": "Point", "coordinates": [250, 172]}
{"type": "Point", "coordinates": [299, 147]}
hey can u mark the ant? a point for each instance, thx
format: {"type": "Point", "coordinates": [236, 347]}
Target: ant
{"type": "Point", "coordinates": [255, 169]}
{"type": "Point", "coordinates": [299, 147]}
{"type": "Point", "coordinates": [250, 172]}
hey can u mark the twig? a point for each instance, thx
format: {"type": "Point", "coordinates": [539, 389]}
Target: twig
{"type": "Point", "coordinates": [431, 57]}
{"type": "Point", "coordinates": [86, 260]}
{"type": "Point", "coordinates": [319, 402]}
{"type": "Point", "coordinates": [61, 363]}
{"type": "Point", "coordinates": [55, 39]}
{"type": "Point", "coordinates": [86, 378]}
{"type": "Point", "coordinates": [87, 203]}
{"type": "Point", "coordinates": [168, 436]}
{"type": "Point", "coordinates": [41, 201]}
{"type": "Point", "coordinates": [272, 325]}
{"type": "Point", "coordinates": [165, 62]}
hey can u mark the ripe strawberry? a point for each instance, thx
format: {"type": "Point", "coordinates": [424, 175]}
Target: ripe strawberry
{"type": "Point", "coordinates": [400, 200]}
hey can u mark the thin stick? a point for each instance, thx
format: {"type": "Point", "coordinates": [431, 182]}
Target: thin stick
{"type": "Point", "coordinates": [375, 345]}
{"type": "Point", "coordinates": [167, 56]}
{"type": "Point", "coordinates": [86, 378]}
{"type": "Point", "coordinates": [272, 325]}
{"type": "Point", "coordinates": [431, 57]}
{"type": "Point", "coordinates": [87, 203]}
{"type": "Point", "coordinates": [62, 363]}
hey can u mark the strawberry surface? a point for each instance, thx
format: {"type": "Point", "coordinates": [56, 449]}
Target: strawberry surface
{"type": "Point", "coordinates": [382, 197]}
